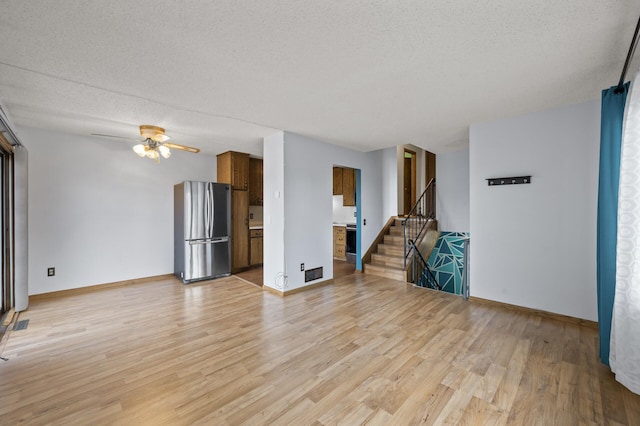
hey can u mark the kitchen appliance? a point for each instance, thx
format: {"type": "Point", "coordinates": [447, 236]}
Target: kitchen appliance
{"type": "Point", "coordinates": [351, 243]}
{"type": "Point", "coordinates": [202, 223]}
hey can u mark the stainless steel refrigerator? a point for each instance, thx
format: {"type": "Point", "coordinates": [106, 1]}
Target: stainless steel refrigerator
{"type": "Point", "coordinates": [202, 223]}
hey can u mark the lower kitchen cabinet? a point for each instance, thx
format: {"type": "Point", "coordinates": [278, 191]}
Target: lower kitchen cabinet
{"type": "Point", "coordinates": [257, 246]}
{"type": "Point", "coordinates": [340, 242]}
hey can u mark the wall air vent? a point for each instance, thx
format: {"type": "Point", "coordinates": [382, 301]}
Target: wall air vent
{"type": "Point", "coordinates": [312, 274]}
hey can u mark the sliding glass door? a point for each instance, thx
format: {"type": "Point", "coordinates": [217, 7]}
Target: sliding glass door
{"type": "Point", "coordinates": [7, 236]}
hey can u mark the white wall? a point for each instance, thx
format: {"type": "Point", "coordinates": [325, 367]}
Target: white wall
{"type": "Point", "coordinates": [389, 182]}
{"type": "Point", "coordinates": [308, 201]}
{"type": "Point", "coordinates": [274, 268]}
{"type": "Point", "coordinates": [534, 245]}
{"type": "Point", "coordinates": [98, 213]}
{"type": "Point", "coordinates": [452, 191]}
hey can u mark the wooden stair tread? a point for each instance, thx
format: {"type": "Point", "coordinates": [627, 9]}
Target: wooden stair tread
{"type": "Point", "coordinates": [385, 271]}
{"type": "Point", "coordinates": [393, 240]}
{"type": "Point", "coordinates": [382, 259]}
{"type": "Point", "coordinates": [388, 249]}
{"type": "Point", "coordinates": [391, 256]}
{"type": "Point", "coordinates": [385, 267]}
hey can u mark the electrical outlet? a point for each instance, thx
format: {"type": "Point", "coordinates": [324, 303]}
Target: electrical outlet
{"type": "Point", "coordinates": [302, 267]}
{"type": "Point", "coordinates": [355, 214]}
{"type": "Point", "coordinates": [250, 215]}
{"type": "Point", "coordinates": [365, 222]}
{"type": "Point", "coordinates": [51, 272]}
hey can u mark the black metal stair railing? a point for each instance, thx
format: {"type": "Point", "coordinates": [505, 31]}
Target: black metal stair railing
{"type": "Point", "coordinates": [418, 217]}
{"type": "Point", "coordinates": [422, 276]}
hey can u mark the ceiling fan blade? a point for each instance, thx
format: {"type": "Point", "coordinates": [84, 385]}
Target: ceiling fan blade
{"type": "Point", "coordinates": [181, 147]}
{"type": "Point", "coordinates": [114, 137]}
{"type": "Point", "coordinates": [160, 137]}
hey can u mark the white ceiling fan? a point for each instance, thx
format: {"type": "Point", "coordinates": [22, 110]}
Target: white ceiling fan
{"type": "Point", "coordinates": [154, 143]}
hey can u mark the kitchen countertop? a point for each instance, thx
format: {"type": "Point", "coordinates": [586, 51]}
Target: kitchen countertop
{"type": "Point", "coordinates": [343, 223]}
{"type": "Point", "coordinates": [254, 224]}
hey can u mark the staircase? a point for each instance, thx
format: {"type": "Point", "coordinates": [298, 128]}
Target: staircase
{"type": "Point", "coordinates": [390, 255]}
{"type": "Point", "coordinates": [386, 255]}
{"type": "Point", "coordinates": [387, 258]}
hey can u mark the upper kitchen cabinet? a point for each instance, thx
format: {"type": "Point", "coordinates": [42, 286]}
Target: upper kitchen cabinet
{"type": "Point", "coordinates": [344, 183]}
{"type": "Point", "coordinates": [256, 197]}
{"type": "Point", "coordinates": [348, 187]}
{"type": "Point", "coordinates": [233, 168]}
{"type": "Point", "coordinates": [337, 181]}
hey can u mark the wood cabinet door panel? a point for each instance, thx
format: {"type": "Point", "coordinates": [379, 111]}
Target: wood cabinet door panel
{"type": "Point", "coordinates": [256, 185]}
{"type": "Point", "coordinates": [337, 181]}
{"type": "Point", "coordinates": [339, 242]}
{"type": "Point", "coordinates": [349, 187]}
{"type": "Point", "coordinates": [240, 230]}
{"type": "Point", "coordinates": [257, 247]}
{"type": "Point", "coordinates": [240, 164]}
{"type": "Point", "coordinates": [224, 168]}
{"type": "Point", "coordinates": [233, 168]}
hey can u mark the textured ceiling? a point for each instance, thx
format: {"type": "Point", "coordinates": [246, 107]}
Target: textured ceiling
{"type": "Point", "coordinates": [363, 74]}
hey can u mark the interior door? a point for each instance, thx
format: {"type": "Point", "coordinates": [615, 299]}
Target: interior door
{"type": "Point", "coordinates": [407, 186]}
{"type": "Point", "coordinates": [430, 173]}
{"type": "Point", "coordinates": [6, 279]}
{"type": "Point", "coordinates": [430, 166]}
{"type": "Point", "coordinates": [409, 193]}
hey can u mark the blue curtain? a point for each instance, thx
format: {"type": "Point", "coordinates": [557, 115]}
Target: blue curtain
{"type": "Point", "coordinates": [612, 116]}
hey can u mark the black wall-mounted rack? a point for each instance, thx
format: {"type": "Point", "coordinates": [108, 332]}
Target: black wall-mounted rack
{"type": "Point", "coordinates": [516, 180]}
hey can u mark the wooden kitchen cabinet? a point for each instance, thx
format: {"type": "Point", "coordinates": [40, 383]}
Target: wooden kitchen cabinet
{"type": "Point", "coordinates": [233, 168]}
{"type": "Point", "coordinates": [239, 230]}
{"type": "Point", "coordinates": [257, 246]}
{"type": "Point", "coordinates": [337, 181]}
{"type": "Point", "coordinates": [256, 185]}
{"type": "Point", "coordinates": [348, 187]}
{"type": "Point", "coordinates": [344, 183]}
{"type": "Point", "coordinates": [340, 242]}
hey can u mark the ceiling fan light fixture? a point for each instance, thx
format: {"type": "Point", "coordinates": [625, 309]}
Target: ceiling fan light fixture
{"type": "Point", "coordinates": [164, 151]}
{"type": "Point", "coordinates": [152, 153]}
{"type": "Point", "coordinates": [140, 149]}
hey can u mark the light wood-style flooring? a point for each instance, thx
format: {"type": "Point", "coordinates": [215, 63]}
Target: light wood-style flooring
{"type": "Point", "coordinates": [365, 350]}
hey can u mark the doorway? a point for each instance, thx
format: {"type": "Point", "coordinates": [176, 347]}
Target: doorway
{"type": "Point", "coordinates": [409, 183]}
{"type": "Point", "coordinates": [7, 228]}
{"type": "Point", "coordinates": [429, 167]}
{"type": "Point", "coordinates": [345, 220]}
{"type": "Point", "coordinates": [430, 175]}
{"type": "Point", "coordinates": [7, 297]}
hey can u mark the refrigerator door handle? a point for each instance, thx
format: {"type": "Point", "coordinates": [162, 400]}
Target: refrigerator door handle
{"type": "Point", "coordinates": [216, 241]}
{"type": "Point", "coordinates": [207, 212]}
{"type": "Point", "coordinates": [212, 211]}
